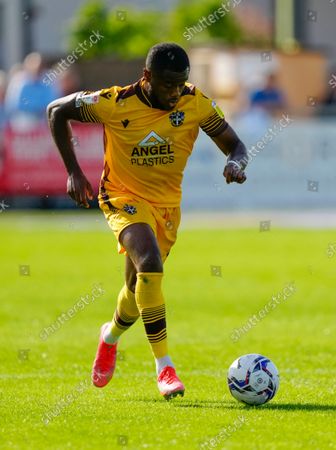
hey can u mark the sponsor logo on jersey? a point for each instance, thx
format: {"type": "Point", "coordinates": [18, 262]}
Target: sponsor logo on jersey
{"type": "Point", "coordinates": [88, 99]}
{"type": "Point", "coordinates": [152, 150]}
{"type": "Point", "coordinates": [151, 139]}
{"type": "Point", "coordinates": [177, 118]}
{"type": "Point", "coordinates": [217, 109]}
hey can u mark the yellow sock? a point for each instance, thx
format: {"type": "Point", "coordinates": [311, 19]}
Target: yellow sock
{"type": "Point", "coordinates": [150, 301]}
{"type": "Point", "coordinates": [125, 315]}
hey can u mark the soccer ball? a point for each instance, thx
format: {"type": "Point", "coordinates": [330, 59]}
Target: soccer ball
{"type": "Point", "coordinates": [253, 379]}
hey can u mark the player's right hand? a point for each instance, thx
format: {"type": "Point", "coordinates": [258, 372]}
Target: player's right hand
{"type": "Point", "coordinates": [79, 189]}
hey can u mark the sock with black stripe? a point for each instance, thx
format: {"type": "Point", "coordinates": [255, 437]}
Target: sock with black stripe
{"type": "Point", "coordinates": [124, 316]}
{"type": "Point", "coordinates": [150, 302]}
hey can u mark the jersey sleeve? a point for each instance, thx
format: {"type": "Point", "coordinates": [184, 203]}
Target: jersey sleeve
{"type": "Point", "coordinates": [211, 117]}
{"type": "Point", "coordinates": [96, 107]}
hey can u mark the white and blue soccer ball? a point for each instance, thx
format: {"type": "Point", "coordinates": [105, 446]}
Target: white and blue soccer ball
{"type": "Point", "coordinates": [253, 379]}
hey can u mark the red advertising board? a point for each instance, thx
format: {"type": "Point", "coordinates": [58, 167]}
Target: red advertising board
{"type": "Point", "coordinates": [31, 164]}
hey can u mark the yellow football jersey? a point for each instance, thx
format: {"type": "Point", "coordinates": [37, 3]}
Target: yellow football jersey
{"type": "Point", "coordinates": [146, 148]}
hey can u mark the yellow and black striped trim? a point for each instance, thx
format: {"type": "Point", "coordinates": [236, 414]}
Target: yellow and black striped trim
{"type": "Point", "coordinates": [87, 114]}
{"type": "Point", "coordinates": [214, 125]}
{"type": "Point", "coordinates": [155, 338]}
{"type": "Point", "coordinates": [151, 314]}
{"type": "Point", "coordinates": [122, 320]}
{"type": "Point", "coordinates": [154, 320]}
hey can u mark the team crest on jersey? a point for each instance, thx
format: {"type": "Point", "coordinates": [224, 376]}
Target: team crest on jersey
{"type": "Point", "coordinates": [177, 118]}
{"type": "Point", "coordinates": [130, 209]}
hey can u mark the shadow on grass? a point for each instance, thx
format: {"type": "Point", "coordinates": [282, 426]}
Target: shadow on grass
{"type": "Point", "coordinates": [219, 404]}
{"type": "Point", "coordinates": [211, 404]}
{"type": "Point", "coordinates": [273, 406]}
{"type": "Point", "coordinates": [300, 407]}
{"type": "Point", "coordinates": [184, 403]}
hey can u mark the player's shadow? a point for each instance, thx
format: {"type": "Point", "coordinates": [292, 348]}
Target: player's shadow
{"type": "Point", "coordinates": [222, 404]}
{"type": "Point", "coordinates": [180, 402]}
{"type": "Point", "coordinates": [299, 407]}
{"type": "Point", "coordinates": [210, 405]}
{"type": "Point", "coordinates": [217, 404]}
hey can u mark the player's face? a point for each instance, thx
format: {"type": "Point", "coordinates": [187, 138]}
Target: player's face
{"type": "Point", "coordinates": [168, 87]}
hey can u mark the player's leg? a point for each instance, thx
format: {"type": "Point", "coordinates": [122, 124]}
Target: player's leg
{"type": "Point", "coordinates": [126, 312]}
{"type": "Point", "coordinates": [125, 315]}
{"type": "Point", "coordinates": [130, 274]}
{"type": "Point", "coordinates": [143, 249]}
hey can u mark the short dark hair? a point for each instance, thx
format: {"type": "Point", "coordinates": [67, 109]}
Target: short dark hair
{"type": "Point", "coordinates": [167, 56]}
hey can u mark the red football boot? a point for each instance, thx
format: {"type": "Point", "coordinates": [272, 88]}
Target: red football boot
{"type": "Point", "coordinates": [105, 361]}
{"type": "Point", "coordinates": [169, 383]}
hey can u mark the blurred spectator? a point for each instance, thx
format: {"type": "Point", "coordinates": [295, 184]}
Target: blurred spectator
{"type": "Point", "coordinates": [68, 82]}
{"type": "Point", "coordinates": [2, 99]}
{"type": "Point", "coordinates": [3, 84]}
{"type": "Point", "coordinates": [27, 96]}
{"type": "Point", "coordinates": [270, 98]}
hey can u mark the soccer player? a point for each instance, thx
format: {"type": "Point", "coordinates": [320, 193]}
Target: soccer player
{"type": "Point", "coordinates": [149, 131]}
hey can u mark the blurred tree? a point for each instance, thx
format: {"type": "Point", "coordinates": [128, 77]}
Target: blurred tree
{"type": "Point", "coordinates": [129, 33]}
{"type": "Point", "coordinates": [187, 24]}
{"type": "Point", "coordinates": [92, 16]}
{"type": "Point", "coordinates": [126, 32]}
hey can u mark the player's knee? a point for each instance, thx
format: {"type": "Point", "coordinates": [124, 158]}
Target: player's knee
{"type": "Point", "coordinates": [150, 262]}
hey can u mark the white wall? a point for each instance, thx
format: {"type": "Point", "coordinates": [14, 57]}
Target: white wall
{"type": "Point", "coordinates": [282, 175]}
{"type": "Point", "coordinates": [321, 33]}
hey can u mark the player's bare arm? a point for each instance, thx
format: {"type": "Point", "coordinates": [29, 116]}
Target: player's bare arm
{"type": "Point", "coordinates": [230, 144]}
{"type": "Point", "coordinates": [60, 113]}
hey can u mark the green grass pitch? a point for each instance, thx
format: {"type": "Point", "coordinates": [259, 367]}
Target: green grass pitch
{"type": "Point", "coordinates": [46, 400]}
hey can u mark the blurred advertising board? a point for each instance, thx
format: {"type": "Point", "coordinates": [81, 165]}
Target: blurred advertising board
{"type": "Point", "coordinates": [31, 164]}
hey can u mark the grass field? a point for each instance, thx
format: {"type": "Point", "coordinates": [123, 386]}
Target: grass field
{"type": "Point", "coordinates": [48, 379]}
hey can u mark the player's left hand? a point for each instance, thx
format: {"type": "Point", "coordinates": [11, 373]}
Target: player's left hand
{"type": "Point", "coordinates": [233, 174]}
